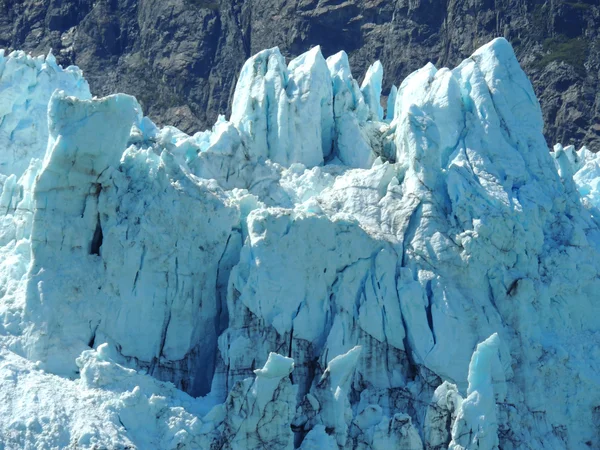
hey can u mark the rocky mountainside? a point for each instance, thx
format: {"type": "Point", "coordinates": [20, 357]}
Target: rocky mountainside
{"type": "Point", "coordinates": [181, 58]}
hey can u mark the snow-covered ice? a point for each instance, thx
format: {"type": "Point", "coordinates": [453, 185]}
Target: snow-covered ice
{"type": "Point", "coordinates": [314, 272]}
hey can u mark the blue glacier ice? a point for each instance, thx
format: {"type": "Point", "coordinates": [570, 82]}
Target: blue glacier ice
{"type": "Point", "coordinates": [313, 272]}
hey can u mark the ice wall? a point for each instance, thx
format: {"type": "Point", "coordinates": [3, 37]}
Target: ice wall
{"type": "Point", "coordinates": [423, 281]}
{"type": "Point", "coordinates": [26, 84]}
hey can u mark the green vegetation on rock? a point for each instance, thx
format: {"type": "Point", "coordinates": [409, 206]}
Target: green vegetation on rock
{"type": "Point", "coordinates": [207, 4]}
{"type": "Point", "coordinates": [579, 5]}
{"type": "Point", "coordinates": [559, 48]}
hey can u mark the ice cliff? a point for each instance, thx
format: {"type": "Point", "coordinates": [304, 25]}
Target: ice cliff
{"type": "Point", "coordinates": [313, 273]}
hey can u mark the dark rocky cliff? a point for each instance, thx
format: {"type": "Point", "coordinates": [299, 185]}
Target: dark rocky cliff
{"type": "Point", "coordinates": [181, 57]}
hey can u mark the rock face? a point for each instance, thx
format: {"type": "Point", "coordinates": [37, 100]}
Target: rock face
{"type": "Point", "coordinates": [181, 58]}
{"type": "Point", "coordinates": [307, 274]}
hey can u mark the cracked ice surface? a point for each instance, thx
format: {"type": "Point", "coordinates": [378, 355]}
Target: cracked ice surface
{"type": "Point", "coordinates": [304, 275]}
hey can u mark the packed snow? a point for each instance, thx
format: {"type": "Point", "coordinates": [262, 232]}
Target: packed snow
{"type": "Point", "coordinates": [313, 273]}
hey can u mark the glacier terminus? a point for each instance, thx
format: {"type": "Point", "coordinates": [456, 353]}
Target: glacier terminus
{"type": "Point", "coordinates": [314, 272]}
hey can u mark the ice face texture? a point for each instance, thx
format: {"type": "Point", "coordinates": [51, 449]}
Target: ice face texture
{"type": "Point", "coordinates": [306, 274]}
{"type": "Point", "coordinates": [26, 85]}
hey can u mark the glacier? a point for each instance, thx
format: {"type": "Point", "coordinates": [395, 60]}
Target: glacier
{"type": "Point", "coordinates": [315, 272]}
